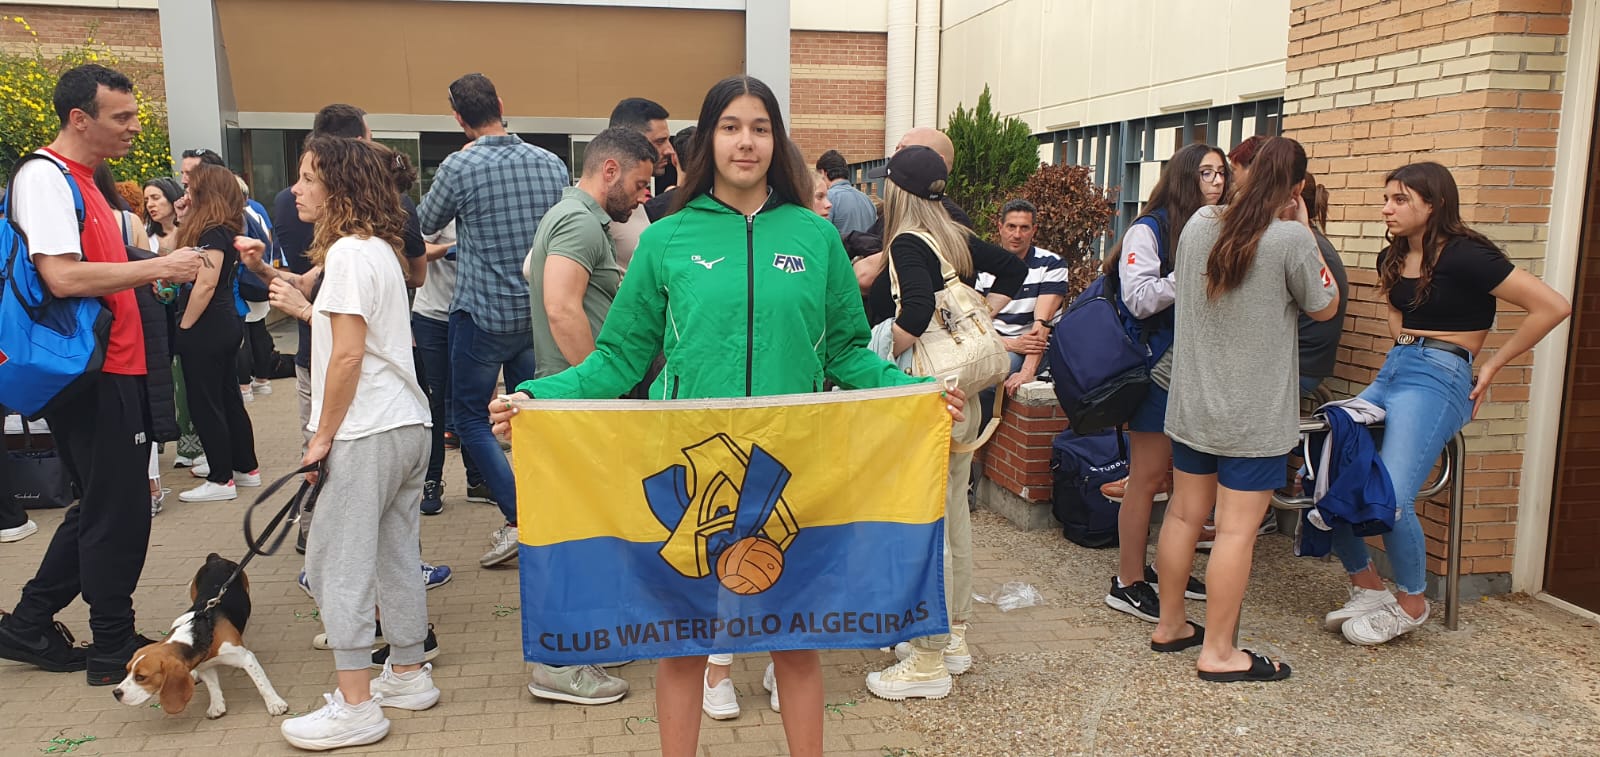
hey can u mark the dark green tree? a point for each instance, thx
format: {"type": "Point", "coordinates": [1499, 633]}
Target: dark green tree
{"type": "Point", "coordinates": [994, 155]}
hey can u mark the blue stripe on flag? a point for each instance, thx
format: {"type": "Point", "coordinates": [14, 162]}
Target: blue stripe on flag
{"type": "Point", "coordinates": [851, 586]}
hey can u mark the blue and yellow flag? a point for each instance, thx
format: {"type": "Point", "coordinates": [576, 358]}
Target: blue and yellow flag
{"type": "Point", "coordinates": [675, 528]}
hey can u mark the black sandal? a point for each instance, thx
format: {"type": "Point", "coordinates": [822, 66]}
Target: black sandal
{"type": "Point", "coordinates": [1178, 645]}
{"type": "Point", "coordinates": [1261, 670]}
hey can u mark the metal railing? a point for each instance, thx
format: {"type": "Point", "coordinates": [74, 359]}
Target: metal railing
{"type": "Point", "coordinates": [1452, 467]}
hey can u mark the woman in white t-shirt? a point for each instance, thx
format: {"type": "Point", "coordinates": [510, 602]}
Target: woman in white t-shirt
{"type": "Point", "coordinates": [369, 425]}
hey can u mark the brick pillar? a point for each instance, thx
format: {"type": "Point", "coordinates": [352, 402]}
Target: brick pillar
{"type": "Point", "coordinates": [837, 93]}
{"type": "Point", "coordinates": [1016, 462]}
{"type": "Point", "coordinates": [1475, 86]}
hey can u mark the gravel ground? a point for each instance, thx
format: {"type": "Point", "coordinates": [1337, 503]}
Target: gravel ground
{"type": "Point", "coordinates": [1518, 678]}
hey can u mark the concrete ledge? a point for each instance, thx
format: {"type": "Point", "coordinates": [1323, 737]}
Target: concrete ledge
{"type": "Point", "coordinates": [1026, 515]}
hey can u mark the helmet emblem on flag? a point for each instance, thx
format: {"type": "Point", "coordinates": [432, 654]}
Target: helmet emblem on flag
{"type": "Point", "coordinates": [726, 514]}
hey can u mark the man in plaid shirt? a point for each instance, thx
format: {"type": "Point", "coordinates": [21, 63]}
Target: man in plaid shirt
{"type": "Point", "coordinates": [496, 192]}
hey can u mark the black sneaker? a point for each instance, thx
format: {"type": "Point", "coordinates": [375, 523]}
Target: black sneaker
{"type": "Point", "coordinates": [432, 497]}
{"type": "Point", "coordinates": [430, 650]}
{"type": "Point", "coordinates": [1194, 590]}
{"type": "Point", "coordinates": [480, 492]}
{"type": "Point", "coordinates": [1138, 600]}
{"type": "Point", "coordinates": [109, 668]}
{"type": "Point", "coordinates": [51, 649]}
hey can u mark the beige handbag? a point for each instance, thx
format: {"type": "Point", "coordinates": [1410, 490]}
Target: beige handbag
{"type": "Point", "coordinates": [960, 343]}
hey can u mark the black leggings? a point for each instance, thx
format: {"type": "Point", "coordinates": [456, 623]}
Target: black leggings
{"type": "Point", "coordinates": [217, 409]}
{"type": "Point", "coordinates": [255, 355]}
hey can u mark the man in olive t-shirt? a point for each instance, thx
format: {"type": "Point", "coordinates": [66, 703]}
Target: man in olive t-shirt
{"type": "Point", "coordinates": [573, 273]}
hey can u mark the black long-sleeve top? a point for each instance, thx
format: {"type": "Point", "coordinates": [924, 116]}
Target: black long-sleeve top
{"type": "Point", "coordinates": [918, 270]}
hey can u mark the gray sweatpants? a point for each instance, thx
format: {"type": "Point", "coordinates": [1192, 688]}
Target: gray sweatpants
{"type": "Point", "coordinates": [364, 551]}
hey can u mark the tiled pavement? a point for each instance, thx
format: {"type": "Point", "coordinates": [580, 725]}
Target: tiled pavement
{"type": "Point", "coordinates": [485, 705]}
{"type": "Point", "coordinates": [1068, 677]}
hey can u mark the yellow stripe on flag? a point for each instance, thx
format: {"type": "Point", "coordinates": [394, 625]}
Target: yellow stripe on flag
{"type": "Point", "coordinates": [863, 456]}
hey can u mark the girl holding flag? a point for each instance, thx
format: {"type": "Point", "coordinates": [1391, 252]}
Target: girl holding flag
{"type": "Point", "coordinates": [744, 190]}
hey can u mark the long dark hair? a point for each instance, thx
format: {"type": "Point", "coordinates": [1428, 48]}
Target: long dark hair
{"type": "Point", "coordinates": [106, 182]}
{"type": "Point", "coordinates": [1278, 167]}
{"type": "Point", "coordinates": [1316, 200]}
{"type": "Point", "coordinates": [1178, 193]}
{"type": "Point", "coordinates": [787, 175]}
{"type": "Point", "coordinates": [1434, 185]}
{"type": "Point", "coordinates": [170, 189]}
{"type": "Point", "coordinates": [215, 199]}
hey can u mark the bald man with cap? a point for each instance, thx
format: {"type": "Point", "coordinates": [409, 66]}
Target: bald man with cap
{"type": "Point", "coordinates": [867, 247]}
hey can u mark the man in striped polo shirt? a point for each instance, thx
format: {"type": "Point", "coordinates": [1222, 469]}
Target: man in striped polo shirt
{"type": "Point", "coordinates": [1025, 323]}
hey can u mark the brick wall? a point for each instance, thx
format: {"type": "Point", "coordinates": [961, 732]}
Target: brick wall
{"type": "Point", "coordinates": [1472, 84]}
{"type": "Point", "coordinates": [132, 35]}
{"type": "Point", "coordinates": [1018, 457]}
{"type": "Point", "coordinates": [837, 93]}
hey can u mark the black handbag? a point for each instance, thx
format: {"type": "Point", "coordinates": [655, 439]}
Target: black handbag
{"type": "Point", "coordinates": [37, 477]}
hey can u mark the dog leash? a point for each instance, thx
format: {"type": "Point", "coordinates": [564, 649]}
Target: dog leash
{"type": "Point", "coordinates": [304, 498]}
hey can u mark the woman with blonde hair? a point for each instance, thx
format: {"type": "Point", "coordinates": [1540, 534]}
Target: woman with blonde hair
{"type": "Point", "coordinates": [912, 218]}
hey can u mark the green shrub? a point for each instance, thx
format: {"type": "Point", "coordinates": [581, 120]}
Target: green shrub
{"type": "Point", "coordinates": [993, 157]}
{"type": "Point", "coordinates": [28, 119]}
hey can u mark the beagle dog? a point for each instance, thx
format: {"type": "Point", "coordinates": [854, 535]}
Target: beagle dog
{"type": "Point", "coordinates": [198, 643]}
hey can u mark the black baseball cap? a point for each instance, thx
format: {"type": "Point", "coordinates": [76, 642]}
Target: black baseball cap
{"type": "Point", "coordinates": [916, 169]}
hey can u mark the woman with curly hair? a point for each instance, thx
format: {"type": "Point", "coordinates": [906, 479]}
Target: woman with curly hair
{"type": "Point", "coordinates": [369, 426]}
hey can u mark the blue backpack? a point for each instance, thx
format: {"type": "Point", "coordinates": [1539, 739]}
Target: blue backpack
{"type": "Point", "coordinates": [50, 347]}
{"type": "Point", "coordinates": [1101, 373]}
{"type": "Point", "coordinates": [1080, 465]}
{"type": "Point", "coordinates": [1100, 355]}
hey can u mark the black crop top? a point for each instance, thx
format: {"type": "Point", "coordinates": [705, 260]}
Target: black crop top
{"type": "Point", "coordinates": [1459, 298]}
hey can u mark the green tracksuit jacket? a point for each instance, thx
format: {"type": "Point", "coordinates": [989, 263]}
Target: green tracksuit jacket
{"type": "Point", "coordinates": [742, 306]}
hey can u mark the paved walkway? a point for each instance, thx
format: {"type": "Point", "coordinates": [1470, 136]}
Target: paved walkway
{"type": "Point", "coordinates": [1068, 677]}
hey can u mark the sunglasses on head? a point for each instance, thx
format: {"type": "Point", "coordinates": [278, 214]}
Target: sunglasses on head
{"type": "Point", "coordinates": [200, 153]}
{"type": "Point", "coordinates": [450, 91]}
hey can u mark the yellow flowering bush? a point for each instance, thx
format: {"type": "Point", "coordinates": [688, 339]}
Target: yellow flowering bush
{"type": "Point", "coordinates": [27, 113]}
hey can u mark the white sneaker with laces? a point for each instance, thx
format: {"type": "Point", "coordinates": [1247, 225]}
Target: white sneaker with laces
{"type": "Point", "coordinates": [504, 549]}
{"type": "Point", "coordinates": [769, 681]}
{"type": "Point", "coordinates": [210, 491]}
{"type": "Point", "coordinates": [720, 702]}
{"type": "Point", "coordinates": [1383, 624]}
{"type": "Point", "coordinates": [188, 462]}
{"type": "Point", "coordinates": [923, 675]}
{"type": "Point", "coordinates": [1361, 602]}
{"type": "Point", "coordinates": [337, 724]}
{"type": "Point", "coordinates": [261, 386]}
{"type": "Point", "coordinates": [253, 478]}
{"type": "Point", "coordinates": [406, 691]}
{"type": "Point", "coordinates": [200, 469]}
{"type": "Point", "coordinates": [957, 657]}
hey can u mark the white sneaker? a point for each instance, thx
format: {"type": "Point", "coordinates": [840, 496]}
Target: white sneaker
{"type": "Point", "coordinates": [769, 681]}
{"type": "Point", "coordinates": [719, 702]}
{"type": "Point", "coordinates": [200, 469]}
{"type": "Point", "coordinates": [1362, 601]}
{"type": "Point", "coordinates": [406, 691]}
{"type": "Point", "coordinates": [921, 675]}
{"type": "Point", "coordinates": [957, 658]}
{"type": "Point", "coordinates": [253, 478]}
{"type": "Point", "coordinates": [247, 395]}
{"type": "Point", "coordinates": [19, 533]}
{"type": "Point", "coordinates": [210, 491]}
{"type": "Point", "coordinates": [188, 462]}
{"type": "Point", "coordinates": [505, 547]}
{"type": "Point", "coordinates": [337, 724]}
{"type": "Point", "coordinates": [1383, 624]}
{"type": "Point", "coordinates": [261, 386]}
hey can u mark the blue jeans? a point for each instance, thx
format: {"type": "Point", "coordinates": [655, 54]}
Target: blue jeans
{"type": "Point", "coordinates": [433, 362]}
{"type": "Point", "coordinates": [1424, 393]}
{"type": "Point", "coordinates": [476, 360]}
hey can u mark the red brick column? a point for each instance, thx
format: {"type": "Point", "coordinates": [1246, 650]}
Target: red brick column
{"type": "Point", "coordinates": [1016, 468]}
